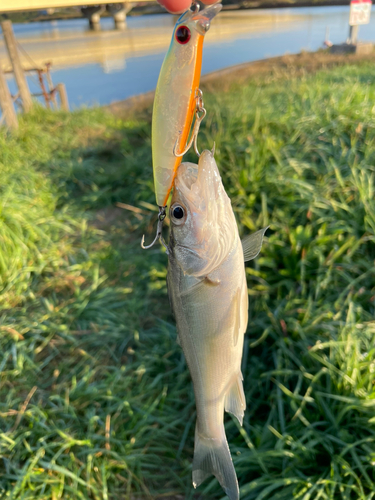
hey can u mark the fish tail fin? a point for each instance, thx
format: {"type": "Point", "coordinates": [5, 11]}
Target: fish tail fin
{"type": "Point", "coordinates": [212, 456]}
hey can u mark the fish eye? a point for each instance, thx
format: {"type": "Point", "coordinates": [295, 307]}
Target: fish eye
{"type": "Point", "coordinates": [183, 34]}
{"type": "Point", "coordinates": [177, 213]}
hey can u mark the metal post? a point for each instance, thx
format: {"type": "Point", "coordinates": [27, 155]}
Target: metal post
{"type": "Point", "coordinates": [353, 35]}
{"type": "Point", "coordinates": [60, 88]}
{"type": "Point", "coordinates": [19, 74]}
{"type": "Point", "coordinates": [6, 103]}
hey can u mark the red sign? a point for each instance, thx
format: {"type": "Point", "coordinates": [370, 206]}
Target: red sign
{"type": "Point", "coordinates": [359, 12]}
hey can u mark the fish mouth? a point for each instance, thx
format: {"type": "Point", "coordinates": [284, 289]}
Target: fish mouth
{"type": "Point", "coordinates": [199, 183]}
{"type": "Point", "coordinates": [187, 174]}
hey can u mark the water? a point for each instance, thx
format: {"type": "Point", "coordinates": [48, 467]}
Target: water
{"type": "Point", "coordinates": [107, 66]}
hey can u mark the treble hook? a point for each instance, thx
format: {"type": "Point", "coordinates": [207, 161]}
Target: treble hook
{"type": "Point", "coordinates": [199, 108]}
{"type": "Point", "coordinates": [194, 136]}
{"type": "Point", "coordinates": [159, 231]}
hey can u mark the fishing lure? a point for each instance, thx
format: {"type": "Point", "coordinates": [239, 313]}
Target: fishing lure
{"type": "Point", "coordinates": [176, 96]}
{"type": "Point", "coordinates": [177, 100]}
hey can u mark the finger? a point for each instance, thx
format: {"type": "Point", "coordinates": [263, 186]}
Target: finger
{"type": "Point", "coordinates": [176, 6]}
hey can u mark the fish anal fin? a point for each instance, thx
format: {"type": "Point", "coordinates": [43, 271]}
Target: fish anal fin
{"type": "Point", "coordinates": [235, 402]}
{"type": "Point", "coordinates": [212, 457]}
{"type": "Point", "coordinates": [252, 244]}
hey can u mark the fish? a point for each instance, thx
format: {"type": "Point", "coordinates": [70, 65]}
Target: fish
{"type": "Point", "coordinates": [176, 96]}
{"type": "Point", "coordinates": [208, 294]}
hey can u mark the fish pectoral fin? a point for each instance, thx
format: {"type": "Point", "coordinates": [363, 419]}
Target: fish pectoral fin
{"type": "Point", "coordinates": [252, 244]}
{"type": "Point", "coordinates": [212, 456]}
{"type": "Point", "coordinates": [178, 340]}
{"type": "Point", "coordinates": [235, 402]}
{"type": "Point", "coordinates": [212, 281]}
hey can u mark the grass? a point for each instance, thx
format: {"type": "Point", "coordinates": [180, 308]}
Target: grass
{"type": "Point", "coordinates": [95, 398]}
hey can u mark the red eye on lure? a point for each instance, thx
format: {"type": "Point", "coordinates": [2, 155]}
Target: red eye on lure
{"type": "Point", "coordinates": [183, 35]}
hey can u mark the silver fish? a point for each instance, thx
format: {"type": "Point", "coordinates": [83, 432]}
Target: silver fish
{"type": "Point", "coordinates": [208, 294]}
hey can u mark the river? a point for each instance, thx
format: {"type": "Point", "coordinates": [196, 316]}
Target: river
{"type": "Point", "coordinates": [107, 66]}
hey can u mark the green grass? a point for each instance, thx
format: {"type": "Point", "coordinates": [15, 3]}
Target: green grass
{"type": "Point", "coordinates": [95, 398]}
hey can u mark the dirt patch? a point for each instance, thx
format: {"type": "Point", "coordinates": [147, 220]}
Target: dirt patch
{"type": "Point", "coordinates": [306, 62]}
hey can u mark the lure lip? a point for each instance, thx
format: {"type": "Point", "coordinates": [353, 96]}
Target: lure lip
{"type": "Point", "coordinates": [202, 18]}
{"type": "Point", "coordinates": [208, 12]}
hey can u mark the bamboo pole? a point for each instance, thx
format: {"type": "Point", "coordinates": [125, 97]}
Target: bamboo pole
{"type": "Point", "coordinates": [60, 87]}
{"type": "Point", "coordinates": [19, 74]}
{"type": "Point", "coordinates": [6, 103]}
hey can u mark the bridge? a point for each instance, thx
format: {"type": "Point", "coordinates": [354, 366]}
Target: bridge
{"type": "Point", "coordinates": [92, 9]}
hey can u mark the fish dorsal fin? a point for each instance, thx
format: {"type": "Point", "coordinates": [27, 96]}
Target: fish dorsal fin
{"type": "Point", "coordinates": [252, 244]}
